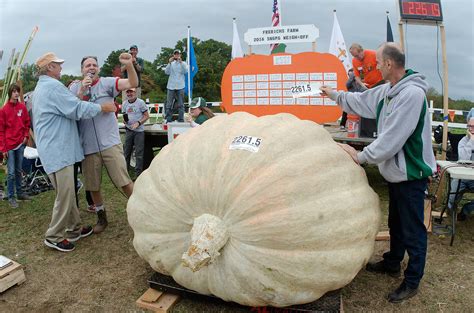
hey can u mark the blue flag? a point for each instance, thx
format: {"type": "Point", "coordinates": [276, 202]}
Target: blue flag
{"type": "Point", "coordinates": [193, 68]}
{"type": "Point", "coordinates": [389, 31]}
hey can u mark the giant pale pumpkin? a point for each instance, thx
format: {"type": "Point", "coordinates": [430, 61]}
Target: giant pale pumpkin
{"type": "Point", "coordinates": [280, 219]}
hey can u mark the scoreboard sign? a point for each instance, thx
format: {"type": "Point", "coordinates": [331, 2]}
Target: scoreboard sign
{"type": "Point", "coordinates": [284, 83]}
{"type": "Point", "coordinates": [422, 10]}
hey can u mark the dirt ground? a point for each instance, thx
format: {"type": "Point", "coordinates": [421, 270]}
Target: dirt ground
{"type": "Point", "coordinates": [104, 273]}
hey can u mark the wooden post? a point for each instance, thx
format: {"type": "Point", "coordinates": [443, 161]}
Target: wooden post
{"type": "Point", "coordinates": [402, 35]}
{"type": "Point", "coordinates": [445, 92]}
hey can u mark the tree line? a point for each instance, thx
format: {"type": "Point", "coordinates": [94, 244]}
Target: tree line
{"type": "Point", "coordinates": [212, 58]}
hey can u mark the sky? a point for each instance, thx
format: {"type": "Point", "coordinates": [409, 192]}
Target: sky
{"type": "Point", "coordinates": [73, 29]}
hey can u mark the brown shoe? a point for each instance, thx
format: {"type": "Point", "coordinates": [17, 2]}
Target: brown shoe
{"type": "Point", "coordinates": [101, 222]}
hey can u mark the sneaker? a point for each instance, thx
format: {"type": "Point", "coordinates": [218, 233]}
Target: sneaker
{"type": "Point", "coordinates": [85, 231]}
{"type": "Point", "coordinates": [24, 197]}
{"type": "Point", "coordinates": [13, 203]}
{"type": "Point", "coordinates": [91, 208]}
{"type": "Point", "coordinates": [402, 293]}
{"type": "Point", "coordinates": [64, 246]}
{"type": "Point", "coordinates": [380, 267]}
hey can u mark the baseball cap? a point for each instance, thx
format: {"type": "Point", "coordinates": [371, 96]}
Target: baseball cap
{"type": "Point", "coordinates": [198, 102]}
{"type": "Point", "coordinates": [177, 51]}
{"type": "Point", "coordinates": [133, 47]}
{"type": "Point", "coordinates": [47, 58]}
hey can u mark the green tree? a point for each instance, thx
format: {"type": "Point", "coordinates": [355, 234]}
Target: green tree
{"type": "Point", "coordinates": [150, 88]}
{"type": "Point", "coordinates": [67, 79]}
{"type": "Point", "coordinates": [28, 77]}
{"type": "Point", "coordinates": [111, 63]}
{"type": "Point", "coordinates": [212, 57]}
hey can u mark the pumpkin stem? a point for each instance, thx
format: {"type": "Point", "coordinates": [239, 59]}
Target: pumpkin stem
{"type": "Point", "coordinates": [208, 235]}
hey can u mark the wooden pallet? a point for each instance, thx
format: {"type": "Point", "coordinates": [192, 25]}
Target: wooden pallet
{"type": "Point", "coordinates": [157, 301]}
{"type": "Point", "coordinates": [11, 275]}
{"type": "Point", "coordinates": [382, 236]}
{"type": "Point", "coordinates": [437, 214]}
{"type": "Point", "coordinates": [330, 302]}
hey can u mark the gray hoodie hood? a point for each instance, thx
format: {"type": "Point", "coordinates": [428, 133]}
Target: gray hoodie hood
{"type": "Point", "coordinates": [411, 78]}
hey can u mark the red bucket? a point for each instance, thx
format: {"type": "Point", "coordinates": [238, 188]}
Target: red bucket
{"type": "Point", "coordinates": [352, 125]}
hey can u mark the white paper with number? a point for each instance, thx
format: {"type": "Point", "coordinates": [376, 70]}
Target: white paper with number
{"type": "Point", "coordinates": [306, 90]}
{"type": "Point", "coordinates": [248, 143]}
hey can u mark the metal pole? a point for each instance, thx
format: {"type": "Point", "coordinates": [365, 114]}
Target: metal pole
{"type": "Point", "coordinates": [279, 11]}
{"type": "Point", "coordinates": [189, 67]}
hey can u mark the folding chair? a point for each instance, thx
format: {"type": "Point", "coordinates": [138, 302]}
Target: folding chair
{"type": "Point", "coordinates": [37, 181]}
{"type": "Point", "coordinates": [454, 171]}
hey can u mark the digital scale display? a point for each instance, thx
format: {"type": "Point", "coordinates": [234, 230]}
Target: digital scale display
{"type": "Point", "coordinates": [425, 10]}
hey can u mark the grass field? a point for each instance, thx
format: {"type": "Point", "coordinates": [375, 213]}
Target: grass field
{"type": "Point", "coordinates": [104, 273]}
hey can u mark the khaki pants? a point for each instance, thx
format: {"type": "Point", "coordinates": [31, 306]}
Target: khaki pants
{"type": "Point", "coordinates": [114, 161]}
{"type": "Point", "coordinates": [65, 220]}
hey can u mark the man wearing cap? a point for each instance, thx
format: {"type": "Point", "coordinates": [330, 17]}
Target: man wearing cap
{"type": "Point", "coordinates": [176, 69]}
{"type": "Point", "coordinates": [55, 112]}
{"type": "Point", "coordinates": [135, 114]}
{"type": "Point", "coordinates": [199, 111]}
{"type": "Point", "coordinates": [138, 64]}
{"type": "Point", "coordinates": [100, 135]}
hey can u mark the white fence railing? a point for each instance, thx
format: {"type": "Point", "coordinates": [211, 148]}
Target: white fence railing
{"type": "Point", "coordinates": [157, 110]}
{"type": "Point", "coordinates": [450, 124]}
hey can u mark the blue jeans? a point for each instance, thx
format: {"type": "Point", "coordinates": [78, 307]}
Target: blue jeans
{"type": "Point", "coordinates": [170, 97]}
{"type": "Point", "coordinates": [407, 229]}
{"type": "Point", "coordinates": [14, 165]}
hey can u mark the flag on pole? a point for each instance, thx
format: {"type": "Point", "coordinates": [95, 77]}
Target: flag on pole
{"type": "Point", "coordinates": [337, 45]}
{"type": "Point", "coordinates": [276, 47]}
{"type": "Point", "coordinates": [192, 67]}
{"type": "Point", "coordinates": [389, 30]}
{"type": "Point", "coordinates": [236, 47]}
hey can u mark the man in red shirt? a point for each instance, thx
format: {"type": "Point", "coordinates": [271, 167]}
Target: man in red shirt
{"type": "Point", "coordinates": [365, 66]}
{"type": "Point", "coordinates": [14, 133]}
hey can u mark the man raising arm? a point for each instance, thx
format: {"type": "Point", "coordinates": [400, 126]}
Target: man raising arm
{"type": "Point", "coordinates": [100, 135]}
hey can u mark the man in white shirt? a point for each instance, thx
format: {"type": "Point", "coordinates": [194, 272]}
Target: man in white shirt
{"type": "Point", "coordinates": [176, 69]}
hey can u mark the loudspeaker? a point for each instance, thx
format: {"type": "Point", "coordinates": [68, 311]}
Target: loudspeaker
{"type": "Point", "coordinates": [367, 128]}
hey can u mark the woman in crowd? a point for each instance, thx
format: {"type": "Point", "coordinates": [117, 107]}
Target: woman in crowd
{"type": "Point", "coordinates": [199, 112]}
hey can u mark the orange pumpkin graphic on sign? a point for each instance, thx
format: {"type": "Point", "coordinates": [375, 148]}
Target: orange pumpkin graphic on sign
{"type": "Point", "coordinates": [268, 84]}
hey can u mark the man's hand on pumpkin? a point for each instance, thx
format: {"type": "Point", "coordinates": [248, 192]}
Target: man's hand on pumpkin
{"type": "Point", "coordinates": [350, 150]}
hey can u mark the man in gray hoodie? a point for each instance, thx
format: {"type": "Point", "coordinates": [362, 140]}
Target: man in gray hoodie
{"type": "Point", "coordinates": [404, 154]}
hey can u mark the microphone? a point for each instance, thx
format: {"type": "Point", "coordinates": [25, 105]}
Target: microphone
{"type": "Point", "coordinates": [89, 92]}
